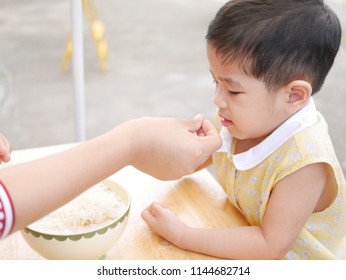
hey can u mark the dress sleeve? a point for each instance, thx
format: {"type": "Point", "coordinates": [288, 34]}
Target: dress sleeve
{"type": "Point", "coordinates": [6, 212]}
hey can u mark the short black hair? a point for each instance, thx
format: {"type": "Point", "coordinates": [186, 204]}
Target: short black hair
{"type": "Point", "coordinates": [277, 41]}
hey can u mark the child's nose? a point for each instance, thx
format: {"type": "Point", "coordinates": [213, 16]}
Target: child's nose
{"type": "Point", "coordinates": [219, 99]}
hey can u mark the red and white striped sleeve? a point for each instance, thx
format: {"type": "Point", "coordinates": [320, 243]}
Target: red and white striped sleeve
{"type": "Point", "coordinates": [6, 212]}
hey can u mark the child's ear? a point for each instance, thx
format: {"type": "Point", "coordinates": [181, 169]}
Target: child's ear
{"type": "Point", "coordinates": [298, 93]}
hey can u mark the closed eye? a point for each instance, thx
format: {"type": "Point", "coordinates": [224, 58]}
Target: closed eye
{"type": "Point", "coordinates": [234, 92]}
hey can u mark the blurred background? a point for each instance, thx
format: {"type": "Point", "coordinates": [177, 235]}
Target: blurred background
{"type": "Point", "coordinates": [156, 66]}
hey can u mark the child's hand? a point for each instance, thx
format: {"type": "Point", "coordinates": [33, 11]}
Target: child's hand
{"type": "Point", "coordinates": [5, 149]}
{"type": "Point", "coordinates": [163, 222]}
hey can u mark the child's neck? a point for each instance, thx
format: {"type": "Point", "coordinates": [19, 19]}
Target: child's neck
{"type": "Point", "coordinates": [243, 145]}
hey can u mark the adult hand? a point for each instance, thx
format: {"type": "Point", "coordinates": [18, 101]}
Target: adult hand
{"type": "Point", "coordinates": [5, 149]}
{"type": "Point", "coordinates": [169, 148]}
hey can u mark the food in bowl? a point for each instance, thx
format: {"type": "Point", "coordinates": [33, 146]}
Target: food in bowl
{"type": "Point", "coordinates": [85, 228]}
{"type": "Point", "coordinates": [90, 211]}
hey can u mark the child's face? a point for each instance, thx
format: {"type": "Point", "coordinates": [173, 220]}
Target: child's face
{"type": "Point", "coordinates": [245, 106]}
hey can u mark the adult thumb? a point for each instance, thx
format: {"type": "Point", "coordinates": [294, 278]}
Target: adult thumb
{"type": "Point", "coordinates": [212, 137]}
{"type": "Point", "coordinates": [195, 124]}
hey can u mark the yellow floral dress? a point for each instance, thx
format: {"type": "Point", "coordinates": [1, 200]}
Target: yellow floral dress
{"type": "Point", "coordinates": [248, 179]}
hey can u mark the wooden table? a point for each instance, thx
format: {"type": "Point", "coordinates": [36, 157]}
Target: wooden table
{"type": "Point", "coordinates": [197, 199]}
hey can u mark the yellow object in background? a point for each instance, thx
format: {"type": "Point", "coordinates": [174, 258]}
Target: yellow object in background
{"type": "Point", "coordinates": [68, 53]}
{"type": "Point", "coordinates": [97, 30]}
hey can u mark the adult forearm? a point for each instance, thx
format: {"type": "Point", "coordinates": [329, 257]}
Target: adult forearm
{"type": "Point", "coordinates": [42, 185]}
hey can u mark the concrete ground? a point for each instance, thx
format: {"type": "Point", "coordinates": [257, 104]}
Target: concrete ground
{"type": "Point", "coordinates": [157, 64]}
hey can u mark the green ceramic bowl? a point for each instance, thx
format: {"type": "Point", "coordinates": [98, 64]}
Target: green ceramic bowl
{"type": "Point", "coordinates": [88, 245]}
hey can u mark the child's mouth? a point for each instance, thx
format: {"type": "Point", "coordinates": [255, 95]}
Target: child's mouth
{"type": "Point", "coordinates": [226, 122]}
